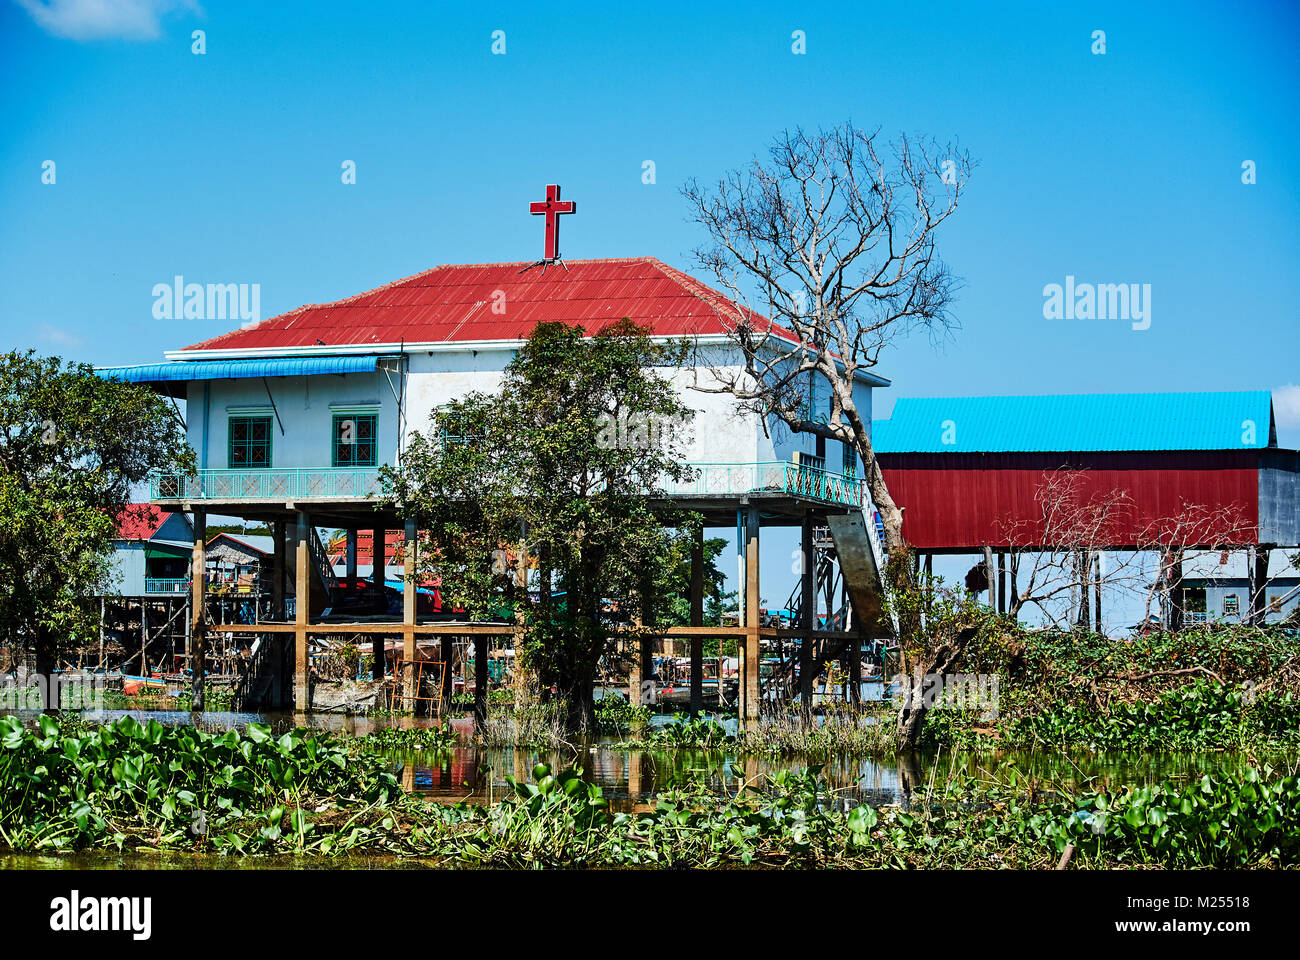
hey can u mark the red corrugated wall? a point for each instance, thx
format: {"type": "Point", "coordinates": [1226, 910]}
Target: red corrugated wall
{"type": "Point", "coordinates": [964, 501]}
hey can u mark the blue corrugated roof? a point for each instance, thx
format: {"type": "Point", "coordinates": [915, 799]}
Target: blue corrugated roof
{"type": "Point", "coordinates": [1079, 422]}
{"type": "Point", "coordinates": [224, 369]}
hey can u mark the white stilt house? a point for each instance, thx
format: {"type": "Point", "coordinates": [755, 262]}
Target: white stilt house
{"type": "Point", "coordinates": [290, 419]}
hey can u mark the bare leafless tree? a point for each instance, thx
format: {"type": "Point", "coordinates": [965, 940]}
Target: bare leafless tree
{"type": "Point", "coordinates": [1077, 523]}
{"type": "Point", "coordinates": [1058, 548]}
{"type": "Point", "coordinates": [828, 248]}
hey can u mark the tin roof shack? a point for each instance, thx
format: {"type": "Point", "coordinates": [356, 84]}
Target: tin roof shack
{"type": "Point", "coordinates": [239, 563]}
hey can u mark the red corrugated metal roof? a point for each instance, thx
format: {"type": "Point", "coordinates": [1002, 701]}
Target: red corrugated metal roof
{"type": "Point", "coordinates": [393, 540]}
{"type": "Point", "coordinates": [452, 304]}
{"type": "Point", "coordinates": [140, 521]}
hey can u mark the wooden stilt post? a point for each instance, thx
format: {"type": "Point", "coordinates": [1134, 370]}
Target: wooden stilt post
{"type": "Point", "coordinates": [377, 557]}
{"type": "Point", "coordinates": [1002, 581]}
{"type": "Point", "coordinates": [808, 600]}
{"type": "Point", "coordinates": [302, 614]}
{"type": "Point", "coordinates": [144, 637]}
{"type": "Point", "coordinates": [351, 557]}
{"type": "Point", "coordinates": [198, 609]}
{"type": "Point", "coordinates": [103, 612]}
{"type": "Point", "coordinates": [855, 667]}
{"type": "Point", "coordinates": [480, 680]}
{"type": "Point", "coordinates": [1013, 564]}
{"type": "Point", "coordinates": [1084, 579]}
{"type": "Point", "coordinates": [749, 647]}
{"type": "Point", "coordinates": [636, 674]}
{"type": "Point", "coordinates": [1096, 576]}
{"type": "Point", "coordinates": [408, 612]}
{"type": "Point", "coordinates": [1176, 590]}
{"type": "Point", "coordinates": [928, 603]}
{"type": "Point", "coordinates": [697, 620]}
{"type": "Point", "coordinates": [647, 646]}
{"type": "Point", "coordinates": [1258, 582]}
{"type": "Point", "coordinates": [991, 574]}
{"type": "Point", "coordinates": [447, 652]}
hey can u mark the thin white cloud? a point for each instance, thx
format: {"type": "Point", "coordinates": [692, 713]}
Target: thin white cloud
{"type": "Point", "coordinates": [1286, 406]}
{"type": "Point", "coordinates": [61, 337]}
{"type": "Point", "coordinates": [103, 19]}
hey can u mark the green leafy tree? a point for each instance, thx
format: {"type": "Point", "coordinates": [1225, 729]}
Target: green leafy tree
{"type": "Point", "coordinates": [71, 446]}
{"type": "Point", "coordinates": [676, 607]}
{"type": "Point", "coordinates": [547, 480]}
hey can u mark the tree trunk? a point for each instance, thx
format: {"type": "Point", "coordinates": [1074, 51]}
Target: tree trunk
{"type": "Point", "coordinates": [45, 658]}
{"type": "Point", "coordinates": [929, 673]}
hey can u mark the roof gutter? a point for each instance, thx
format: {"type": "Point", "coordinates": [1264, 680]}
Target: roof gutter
{"type": "Point", "coordinates": [367, 349]}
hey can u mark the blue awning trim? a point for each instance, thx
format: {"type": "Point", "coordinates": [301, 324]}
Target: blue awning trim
{"type": "Point", "coordinates": [184, 370]}
{"type": "Point", "coordinates": [1230, 420]}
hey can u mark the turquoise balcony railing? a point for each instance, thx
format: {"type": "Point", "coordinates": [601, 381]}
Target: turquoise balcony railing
{"type": "Point", "coordinates": [708, 480]}
{"type": "Point", "coordinates": [316, 483]}
{"type": "Point", "coordinates": [166, 585]}
{"type": "Point", "coordinates": [735, 479]}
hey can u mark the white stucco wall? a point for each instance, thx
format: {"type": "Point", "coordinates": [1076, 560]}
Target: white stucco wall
{"type": "Point", "coordinates": [305, 406]}
{"type": "Point", "coordinates": [301, 435]}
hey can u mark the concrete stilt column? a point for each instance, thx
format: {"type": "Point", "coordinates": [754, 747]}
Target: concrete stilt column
{"type": "Point", "coordinates": [697, 620]}
{"type": "Point", "coordinates": [198, 619]}
{"type": "Point", "coordinates": [302, 613]}
{"type": "Point", "coordinates": [749, 646]}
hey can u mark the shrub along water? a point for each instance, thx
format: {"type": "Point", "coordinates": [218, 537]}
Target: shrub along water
{"type": "Point", "coordinates": [145, 786]}
{"type": "Point", "coordinates": [1222, 687]}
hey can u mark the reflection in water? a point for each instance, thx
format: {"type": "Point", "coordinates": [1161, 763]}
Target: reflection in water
{"type": "Point", "coordinates": [632, 777]}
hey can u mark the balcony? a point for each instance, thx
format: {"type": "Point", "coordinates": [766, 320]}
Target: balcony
{"type": "Point", "coordinates": [344, 483]}
{"type": "Point", "coordinates": [166, 585]}
{"type": "Point", "coordinates": [739, 479]}
{"type": "Point", "coordinates": [315, 483]}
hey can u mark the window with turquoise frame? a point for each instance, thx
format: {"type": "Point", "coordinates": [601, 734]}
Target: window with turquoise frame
{"type": "Point", "coordinates": [850, 461]}
{"type": "Point", "coordinates": [355, 436]}
{"type": "Point", "coordinates": [249, 443]}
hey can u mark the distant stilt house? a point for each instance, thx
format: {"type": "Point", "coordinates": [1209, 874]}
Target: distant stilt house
{"type": "Point", "coordinates": [1218, 589]}
{"type": "Point", "coordinates": [237, 564]}
{"type": "Point", "coordinates": [144, 611]}
{"type": "Point", "coordinates": [151, 553]}
{"type": "Point", "coordinates": [292, 417]}
{"type": "Point", "coordinates": [1180, 471]}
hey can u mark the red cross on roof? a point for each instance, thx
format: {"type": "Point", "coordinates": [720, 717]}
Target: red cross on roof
{"type": "Point", "coordinates": [551, 208]}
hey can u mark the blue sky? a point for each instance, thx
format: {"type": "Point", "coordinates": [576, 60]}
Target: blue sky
{"type": "Point", "coordinates": [225, 167]}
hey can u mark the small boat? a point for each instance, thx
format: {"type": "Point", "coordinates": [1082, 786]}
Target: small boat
{"type": "Point", "coordinates": [133, 685]}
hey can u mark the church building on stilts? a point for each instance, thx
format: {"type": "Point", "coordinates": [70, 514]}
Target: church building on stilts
{"type": "Point", "coordinates": [291, 418]}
